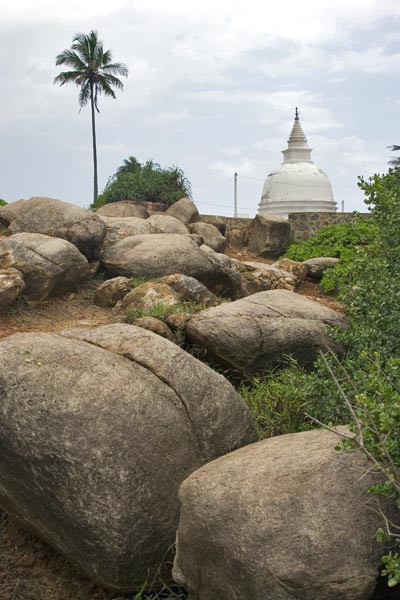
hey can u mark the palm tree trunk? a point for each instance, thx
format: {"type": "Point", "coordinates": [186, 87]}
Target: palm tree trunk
{"type": "Point", "coordinates": [95, 185]}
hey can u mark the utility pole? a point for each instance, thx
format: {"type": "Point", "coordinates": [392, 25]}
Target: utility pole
{"type": "Point", "coordinates": [342, 205]}
{"type": "Point", "coordinates": [235, 213]}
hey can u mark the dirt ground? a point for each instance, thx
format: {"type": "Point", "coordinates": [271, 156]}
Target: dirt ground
{"type": "Point", "coordinates": [29, 569]}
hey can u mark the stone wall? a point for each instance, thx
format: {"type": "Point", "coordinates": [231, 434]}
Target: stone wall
{"type": "Point", "coordinates": [305, 225]}
{"type": "Point", "coordinates": [224, 224]}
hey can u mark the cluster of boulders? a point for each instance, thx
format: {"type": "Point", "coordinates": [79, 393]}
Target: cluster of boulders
{"type": "Point", "coordinates": [114, 438]}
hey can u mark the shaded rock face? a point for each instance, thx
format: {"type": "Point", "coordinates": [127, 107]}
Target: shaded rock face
{"type": "Point", "coordinates": [185, 210]}
{"type": "Point", "coordinates": [124, 208]}
{"type": "Point", "coordinates": [224, 279]}
{"type": "Point", "coordinates": [286, 518]}
{"type": "Point", "coordinates": [9, 212]}
{"type": "Point", "coordinates": [317, 266]}
{"type": "Point", "coordinates": [156, 255]}
{"type": "Point", "coordinates": [210, 235]}
{"type": "Point", "coordinates": [112, 290]}
{"type": "Point", "coordinates": [99, 428]}
{"type": "Point", "coordinates": [156, 326]}
{"type": "Point", "coordinates": [62, 220]}
{"type": "Point", "coordinates": [170, 290]}
{"type": "Point", "coordinates": [257, 333]}
{"type": "Point", "coordinates": [269, 236]}
{"type": "Point", "coordinates": [50, 266]}
{"type": "Point", "coordinates": [11, 285]}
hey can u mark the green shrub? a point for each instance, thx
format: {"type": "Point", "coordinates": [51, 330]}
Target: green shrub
{"type": "Point", "coordinates": [338, 241]}
{"type": "Point", "coordinates": [281, 401]}
{"type": "Point", "coordinates": [147, 183]}
{"type": "Point", "coordinates": [2, 202]}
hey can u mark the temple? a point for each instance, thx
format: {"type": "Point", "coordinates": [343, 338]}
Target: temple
{"type": "Point", "coordinates": [297, 185]}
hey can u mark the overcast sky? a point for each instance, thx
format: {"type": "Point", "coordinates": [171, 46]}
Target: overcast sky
{"type": "Point", "coordinates": [212, 88]}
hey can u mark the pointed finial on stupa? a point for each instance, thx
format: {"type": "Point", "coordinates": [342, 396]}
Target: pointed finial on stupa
{"type": "Point", "coordinates": [296, 115]}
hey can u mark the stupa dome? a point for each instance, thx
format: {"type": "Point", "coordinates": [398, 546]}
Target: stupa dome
{"type": "Point", "coordinates": [297, 185]}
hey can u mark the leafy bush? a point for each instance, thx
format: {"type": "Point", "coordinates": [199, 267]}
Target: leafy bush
{"type": "Point", "coordinates": [148, 183]}
{"type": "Point", "coordinates": [281, 401]}
{"type": "Point", "coordinates": [345, 241]}
{"type": "Point", "coordinates": [2, 202]}
{"type": "Point", "coordinates": [338, 241]}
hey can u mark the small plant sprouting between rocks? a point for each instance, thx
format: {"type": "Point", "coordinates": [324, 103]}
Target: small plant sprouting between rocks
{"type": "Point", "coordinates": [161, 311]}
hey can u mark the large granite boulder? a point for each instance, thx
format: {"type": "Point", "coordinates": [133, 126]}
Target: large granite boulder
{"type": "Point", "coordinates": [125, 208]}
{"type": "Point", "coordinates": [59, 219]}
{"type": "Point", "coordinates": [257, 333]}
{"type": "Point", "coordinates": [50, 266]}
{"type": "Point", "coordinates": [170, 290]}
{"type": "Point", "coordinates": [10, 211]}
{"type": "Point", "coordinates": [98, 429]}
{"type": "Point", "coordinates": [210, 235]}
{"type": "Point", "coordinates": [164, 223]}
{"type": "Point", "coordinates": [287, 518]}
{"type": "Point", "coordinates": [185, 210]}
{"type": "Point", "coordinates": [268, 236]}
{"type": "Point", "coordinates": [11, 286]}
{"type": "Point", "coordinates": [156, 255]}
{"type": "Point", "coordinates": [118, 228]}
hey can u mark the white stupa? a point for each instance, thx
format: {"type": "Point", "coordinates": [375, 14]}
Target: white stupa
{"type": "Point", "coordinates": [297, 185]}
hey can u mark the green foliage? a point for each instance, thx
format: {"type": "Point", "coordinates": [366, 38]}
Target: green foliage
{"type": "Point", "coordinates": [338, 241]}
{"type": "Point", "coordinates": [147, 182]}
{"type": "Point", "coordinates": [281, 401]}
{"type": "Point", "coordinates": [3, 202]}
{"type": "Point", "coordinates": [344, 241]}
{"type": "Point", "coordinates": [161, 311]}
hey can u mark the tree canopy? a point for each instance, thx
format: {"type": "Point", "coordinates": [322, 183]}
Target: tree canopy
{"type": "Point", "coordinates": [147, 182]}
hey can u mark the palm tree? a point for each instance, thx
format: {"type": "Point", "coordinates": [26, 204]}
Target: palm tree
{"type": "Point", "coordinates": [131, 165]}
{"type": "Point", "coordinates": [94, 73]}
{"type": "Point", "coordinates": [395, 160]}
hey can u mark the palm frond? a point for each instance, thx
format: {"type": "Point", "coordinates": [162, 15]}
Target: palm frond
{"type": "Point", "coordinates": [116, 68]}
{"type": "Point", "coordinates": [69, 77]}
{"type": "Point", "coordinates": [71, 59]}
{"type": "Point", "coordinates": [84, 94]}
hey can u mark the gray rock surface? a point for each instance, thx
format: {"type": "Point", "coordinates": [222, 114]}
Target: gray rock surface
{"type": "Point", "coordinates": [268, 236]}
{"type": "Point", "coordinates": [166, 223]}
{"type": "Point", "coordinates": [10, 211]}
{"type": "Point", "coordinates": [50, 266]}
{"type": "Point", "coordinates": [59, 219]}
{"type": "Point", "coordinates": [318, 266]}
{"type": "Point", "coordinates": [112, 290]}
{"type": "Point", "coordinates": [99, 428]}
{"type": "Point", "coordinates": [287, 518]}
{"type": "Point", "coordinates": [125, 208]}
{"type": "Point", "coordinates": [169, 290]}
{"type": "Point", "coordinates": [11, 286]}
{"type": "Point", "coordinates": [210, 235]}
{"type": "Point", "coordinates": [185, 210]}
{"type": "Point", "coordinates": [156, 255]}
{"type": "Point", "coordinates": [257, 333]}
{"type": "Point", "coordinates": [118, 228]}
